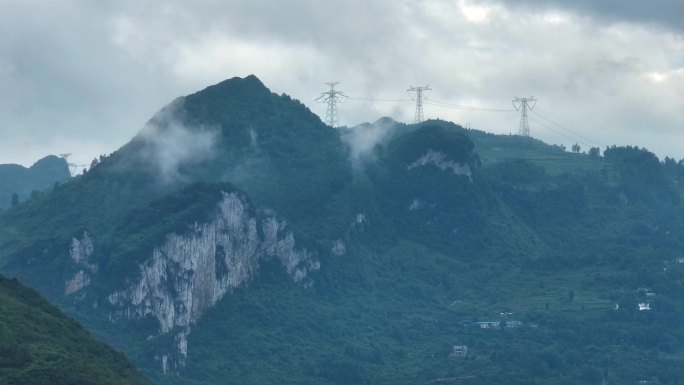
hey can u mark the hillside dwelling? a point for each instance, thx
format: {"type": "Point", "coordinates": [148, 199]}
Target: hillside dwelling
{"type": "Point", "coordinates": [499, 324]}
{"type": "Point", "coordinates": [488, 324]}
{"type": "Point", "coordinates": [513, 324]}
{"type": "Point", "coordinates": [459, 351]}
{"type": "Point", "coordinates": [644, 306]}
{"type": "Point", "coordinates": [679, 260]}
{"type": "Point", "coordinates": [646, 291]}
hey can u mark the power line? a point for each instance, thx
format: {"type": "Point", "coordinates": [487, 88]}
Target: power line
{"type": "Point", "coordinates": [356, 98]}
{"type": "Point", "coordinates": [465, 108]}
{"type": "Point", "coordinates": [567, 129]}
{"type": "Point", "coordinates": [436, 103]}
{"type": "Point", "coordinates": [419, 101]}
{"type": "Point", "coordinates": [522, 104]}
{"type": "Point", "coordinates": [331, 97]}
{"type": "Point", "coordinates": [556, 131]}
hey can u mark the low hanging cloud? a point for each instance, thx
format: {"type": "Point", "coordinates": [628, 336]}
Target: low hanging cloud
{"type": "Point", "coordinates": [169, 145]}
{"type": "Point", "coordinates": [363, 138]}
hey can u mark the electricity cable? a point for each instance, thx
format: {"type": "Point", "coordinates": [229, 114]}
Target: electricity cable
{"type": "Point", "coordinates": [567, 129]}
{"type": "Point", "coordinates": [558, 132]}
{"type": "Point", "coordinates": [468, 108]}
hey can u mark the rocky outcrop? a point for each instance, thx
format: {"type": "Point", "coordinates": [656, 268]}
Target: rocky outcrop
{"type": "Point", "coordinates": [339, 248]}
{"type": "Point", "coordinates": [80, 280]}
{"type": "Point", "coordinates": [188, 273]}
{"type": "Point", "coordinates": [440, 160]}
{"type": "Point", "coordinates": [81, 252]}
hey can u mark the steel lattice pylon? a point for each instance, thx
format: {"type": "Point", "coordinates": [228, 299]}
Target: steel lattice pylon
{"type": "Point", "coordinates": [331, 97]}
{"type": "Point", "coordinates": [522, 104]}
{"type": "Point", "coordinates": [418, 118]}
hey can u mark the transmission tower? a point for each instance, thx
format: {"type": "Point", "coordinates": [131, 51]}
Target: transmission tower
{"type": "Point", "coordinates": [72, 166]}
{"type": "Point", "coordinates": [522, 104]}
{"type": "Point", "coordinates": [331, 97]}
{"type": "Point", "coordinates": [419, 101]}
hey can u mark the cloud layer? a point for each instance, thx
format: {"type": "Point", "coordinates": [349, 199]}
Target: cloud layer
{"type": "Point", "coordinates": [170, 145]}
{"type": "Point", "coordinates": [84, 76]}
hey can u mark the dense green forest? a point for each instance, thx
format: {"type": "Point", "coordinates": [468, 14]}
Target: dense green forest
{"type": "Point", "coordinates": [552, 267]}
{"type": "Point", "coordinates": [40, 345]}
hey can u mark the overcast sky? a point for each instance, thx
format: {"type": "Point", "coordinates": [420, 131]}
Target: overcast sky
{"type": "Point", "coordinates": [83, 76]}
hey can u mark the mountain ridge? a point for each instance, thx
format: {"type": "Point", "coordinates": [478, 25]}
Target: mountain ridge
{"type": "Point", "coordinates": [23, 181]}
{"type": "Point", "coordinates": [287, 249]}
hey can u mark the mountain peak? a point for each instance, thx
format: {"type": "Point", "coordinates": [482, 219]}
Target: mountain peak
{"type": "Point", "coordinates": [247, 87]}
{"type": "Point", "coordinates": [248, 81]}
{"type": "Point", "coordinates": [50, 162]}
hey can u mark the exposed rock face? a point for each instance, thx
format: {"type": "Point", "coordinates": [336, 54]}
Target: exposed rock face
{"type": "Point", "coordinates": [416, 204]}
{"type": "Point", "coordinates": [189, 273]}
{"type": "Point", "coordinates": [78, 282]}
{"type": "Point", "coordinates": [339, 248]}
{"type": "Point", "coordinates": [81, 251]}
{"type": "Point", "coordinates": [440, 160]}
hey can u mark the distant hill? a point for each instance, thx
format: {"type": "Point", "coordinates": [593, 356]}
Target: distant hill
{"type": "Point", "coordinates": [239, 240]}
{"type": "Point", "coordinates": [40, 345]}
{"type": "Point", "coordinates": [23, 181]}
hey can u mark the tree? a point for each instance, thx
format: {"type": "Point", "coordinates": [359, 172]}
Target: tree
{"type": "Point", "coordinates": [595, 152]}
{"type": "Point", "coordinates": [576, 148]}
{"type": "Point", "coordinates": [15, 199]}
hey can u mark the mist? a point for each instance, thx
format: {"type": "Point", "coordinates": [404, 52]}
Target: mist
{"type": "Point", "coordinates": [363, 138]}
{"type": "Point", "coordinates": [170, 144]}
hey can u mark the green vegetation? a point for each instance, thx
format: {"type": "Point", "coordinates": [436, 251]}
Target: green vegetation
{"type": "Point", "coordinates": [458, 227]}
{"type": "Point", "coordinates": [18, 183]}
{"type": "Point", "coordinates": [557, 252]}
{"type": "Point", "coordinates": [554, 159]}
{"type": "Point", "coordinates": [40, 345]}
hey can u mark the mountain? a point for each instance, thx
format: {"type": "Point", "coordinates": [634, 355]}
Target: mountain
{"type": "Point", "coordinates": [16, 179]}
{"type": "Point", "coordinates": [40, 345]}
{"type": "Point", "coordinates": [238, 239]}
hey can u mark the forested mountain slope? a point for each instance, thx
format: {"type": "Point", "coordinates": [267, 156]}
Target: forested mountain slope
{"type": "Point", "coordinates": [237, 239]}
{"type": "Point", "coordinates": [40, 345]}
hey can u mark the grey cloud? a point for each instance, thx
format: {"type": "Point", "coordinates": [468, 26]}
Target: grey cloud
{"type": "Point", "coordinates": [81, 76]}
{"type": "Point", "coordinates": [666, 13]}
{"type": "Point", "coordinates": [62, 82]}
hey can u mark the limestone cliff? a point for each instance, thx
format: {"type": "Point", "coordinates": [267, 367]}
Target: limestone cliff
{"type": "Point", "coordinates": [81, 252]}
{"type": "Point", "coordinates": [188, 273]}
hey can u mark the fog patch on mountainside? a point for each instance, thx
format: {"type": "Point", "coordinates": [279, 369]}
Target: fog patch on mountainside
{"type": "Point", "coordinates": [170, 144]}
{"type": "Point", "coordinates": [363, 138]}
